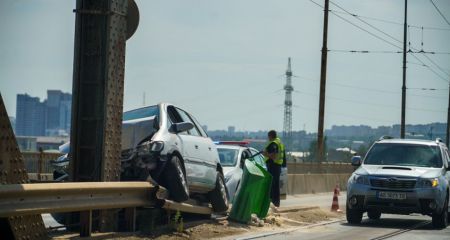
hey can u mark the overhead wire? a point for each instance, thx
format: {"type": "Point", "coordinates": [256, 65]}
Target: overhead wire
{"type": "Point", "coordinates": [391, 22]}
{"type": "Point", "coordinates": [439, 11]}
{"type": "Point", "coordinates": [365, 22]}
{"type": "Point", "coordinates": [380, 38]}
{"type": "Point", "coordinates": [373, 104]}
{"type": "Point", "coordinates": [384, 51]}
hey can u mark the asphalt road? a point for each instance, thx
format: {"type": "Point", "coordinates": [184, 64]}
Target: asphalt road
{"type": "Point", "coordinates": [394, 227]}
{"type": "Point", "coordinates": [322, 200]}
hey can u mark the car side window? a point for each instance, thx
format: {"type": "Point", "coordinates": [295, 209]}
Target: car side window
{"type": "Point", "coordinates": [174, 117]}
{"type": "Point", "coordinates": [199, 127]}
{"type": "Point", "coordinates": [194, 131]}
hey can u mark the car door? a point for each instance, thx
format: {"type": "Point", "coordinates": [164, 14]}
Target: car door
{"type": "Point", "coordinates": [200, 169]}
{"type": "Point", "coordinates": [446, 157]}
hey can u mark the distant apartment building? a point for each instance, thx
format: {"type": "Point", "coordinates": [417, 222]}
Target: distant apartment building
{"type": "Point", "coordinates": [231, 130]}
{"type": "Point", "coordinates": [48, 118]}
{"type": "Point", "coordinates": [58, 106]}
{"type": "Point", "coordinates": [30, 116]}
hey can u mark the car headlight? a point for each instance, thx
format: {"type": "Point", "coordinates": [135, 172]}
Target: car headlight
{"type": "Point", "coordinates": [361, 179]}
{"type": "Point", "coordinates": [428, 183]}
{"type": "Point", "coordinates": [148, 147]}
{"type": "Point", "coordinates": [157, 146]}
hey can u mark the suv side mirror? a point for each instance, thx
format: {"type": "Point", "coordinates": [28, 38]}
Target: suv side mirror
{"type": "Point", "coordinates": [356, 161]}
{"type": "Point", "coordinates": [182, 126]}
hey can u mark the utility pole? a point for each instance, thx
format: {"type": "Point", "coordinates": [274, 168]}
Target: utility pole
{"type": "Point", "coordinates": [287, 126]}
{"type": "Point", "coordinates": [402, 127]}
{"type": "Point", "coordinates": [323, 79]}
{"type": "Point", "coordinates": [448, 119]}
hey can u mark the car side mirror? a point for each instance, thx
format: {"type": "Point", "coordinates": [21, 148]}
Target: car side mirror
{"type": "Point", "coordinates": [356, 161]}
{"type": "Point", "coordinates": [182, 127]}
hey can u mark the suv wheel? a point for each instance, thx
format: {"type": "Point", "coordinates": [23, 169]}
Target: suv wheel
{"type": "Point", "coordinates": [440, 220]}
{"type": "Point", "coordinates": [353, 216]}
{"type": "Point", "coordinates": [219, 195]}
{"type": "Point", "coordinates": [374, 214]}
{"type": "Point", "coordinates": [175, 180]}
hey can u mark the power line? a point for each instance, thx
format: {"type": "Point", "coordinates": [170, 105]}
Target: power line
{"type": "Point", "coordinates": [439, 11]}
{"type": "Point", "coordinates": [429, 68]}
{"type": "Point", "coordinates": [392, 22]}
{"type": "Point", "coordinates": [372, 26]}
{"type": "Point", "coordinates": [435, 64]}
{"type": "Point", "coordinates": [373, 104]}
{"type": "Point", "coordinates": [428, 89]}
{"type": "Point", "coordinates": [380, 38]}
{"type": "Point", "coordinates": [373, 89]}
{"type": "Point", "coordinates": [382, 51]}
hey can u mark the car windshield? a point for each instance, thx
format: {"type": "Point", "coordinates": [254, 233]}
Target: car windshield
{"type": "Point", "coordinates": [404, 155]}
{"type": "Point", "coordinates": [228, 157]}
{"type": "Point", "coordinates": [141, 113]}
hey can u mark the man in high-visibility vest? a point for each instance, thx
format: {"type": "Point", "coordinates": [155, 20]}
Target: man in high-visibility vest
{"type": "Point", "coordinates": [274, 154]}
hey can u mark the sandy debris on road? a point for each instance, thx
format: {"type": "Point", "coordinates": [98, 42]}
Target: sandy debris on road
{"type": "Point", "coordinates": [219, 229]}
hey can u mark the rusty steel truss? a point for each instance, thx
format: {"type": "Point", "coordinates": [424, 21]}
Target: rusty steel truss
{"type": "Point", "coordinates": [12, 171]}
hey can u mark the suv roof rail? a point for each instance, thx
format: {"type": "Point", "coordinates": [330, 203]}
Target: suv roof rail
{"type": "Point", "coordinates": [439, 140]}
{"type": "Point", "coordinates": [385, 137]}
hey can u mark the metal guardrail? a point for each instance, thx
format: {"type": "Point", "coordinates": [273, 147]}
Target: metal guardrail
{"type": "Point", "coordinates": [27, 199]}
{"type": "Point", "coordinates": [18, 200]}
{"type": "Point", "coordinates": [38, 163]}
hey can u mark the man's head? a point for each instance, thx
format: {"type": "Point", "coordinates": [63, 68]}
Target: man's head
{"type": "Point", "coordinates": [272, 134]}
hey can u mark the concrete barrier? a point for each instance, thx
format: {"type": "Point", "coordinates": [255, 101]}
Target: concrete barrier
{"type": "Point", "coordinates": [316, 183]}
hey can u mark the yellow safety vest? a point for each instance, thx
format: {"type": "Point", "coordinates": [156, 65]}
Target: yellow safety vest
{"type": "Point", "coordinates": [280, 156]}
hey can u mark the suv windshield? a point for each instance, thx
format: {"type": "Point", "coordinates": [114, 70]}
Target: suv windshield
{"type": "Point", "coordinates": [141, 113]}
{"type": "Point", "coordinates": [228, 157]}
{"type": "Point", "coordinates": [404, 155]}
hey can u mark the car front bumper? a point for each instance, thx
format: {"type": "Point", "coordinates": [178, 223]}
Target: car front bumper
{"type": "Point", "coordinates": [418, 200]}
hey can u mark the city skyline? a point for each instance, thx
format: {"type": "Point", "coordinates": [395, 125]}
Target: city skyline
{"type": "Point", "coordinates": [50, 117]}
{"type": "Point", "coordinates": [225, 64]}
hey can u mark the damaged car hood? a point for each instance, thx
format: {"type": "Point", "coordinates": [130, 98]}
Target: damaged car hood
{"type": "Point", "coordinates": [137, 130]}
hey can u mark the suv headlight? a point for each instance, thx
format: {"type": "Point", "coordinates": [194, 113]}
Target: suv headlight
{"type": "Point", "coordinates": [428, 183]}
{"type": "Point", "coordinates": [361, 179]}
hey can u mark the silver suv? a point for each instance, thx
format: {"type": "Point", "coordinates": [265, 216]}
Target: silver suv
{"type": "Point", "coordinates": [400, 176]}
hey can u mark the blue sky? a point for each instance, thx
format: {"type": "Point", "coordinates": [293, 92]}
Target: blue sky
{"type": "Point", "coordinates": [224, 60]}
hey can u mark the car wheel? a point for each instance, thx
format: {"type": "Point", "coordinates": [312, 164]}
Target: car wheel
{"type": "Point", "coordinates": [374, 214]}
{"type": "Point", "coordinates": [175, 180]}
{"type": "Point", "coordinates": [219, 195]}
{"type": "Point", "coordinates": [440, 220]}
{"type": "Point", "coordinates": [353, 216]}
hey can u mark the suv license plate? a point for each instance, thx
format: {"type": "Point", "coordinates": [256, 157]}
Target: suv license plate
{"type": "Point", "coordinates": [392, 195]}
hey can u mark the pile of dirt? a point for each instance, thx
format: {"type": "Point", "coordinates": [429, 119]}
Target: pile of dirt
{"type": "Point", "coordinates": [217, 229]}
{"type": "Point", "coordinates": [312, 216]}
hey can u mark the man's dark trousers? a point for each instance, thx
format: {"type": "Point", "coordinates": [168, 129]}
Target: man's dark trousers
{"type": "Point", "coordinates": [275, 170]}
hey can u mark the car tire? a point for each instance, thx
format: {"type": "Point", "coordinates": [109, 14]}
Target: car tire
{"type": "Point", "coordinates": [374, 214]}
{"type": "Point", "coordinates": [219, 195]}
{"type": "Point", "coordinates": [440, 220]}
{"type": "Point", "coordinates": [175, 180]}
{"type": "Point", "coordinates": [353, 216]}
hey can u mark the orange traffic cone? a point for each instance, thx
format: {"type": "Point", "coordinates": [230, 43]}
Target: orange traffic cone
{"type": "Point", "coordinates": [335, 204]}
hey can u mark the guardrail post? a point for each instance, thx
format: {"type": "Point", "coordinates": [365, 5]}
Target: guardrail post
{"type": "Point", "coordinates": [130, 219]}
{"type": "Point", "coordinates": [85, 223]}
